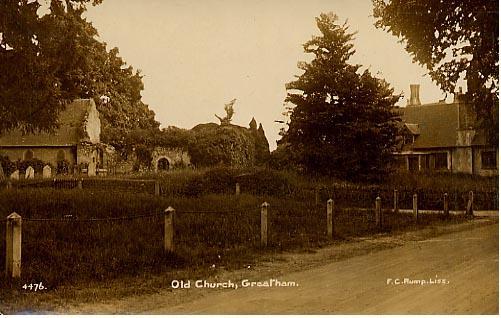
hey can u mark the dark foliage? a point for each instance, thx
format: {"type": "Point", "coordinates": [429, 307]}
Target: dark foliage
{"type": "Point", "coordinates": [36, 164]}
{"type": "Point", "coordinates": [63, 167]}
{"type": "Point", "coordinates": [343, 122]}
{"type": "Point", "coordinates": [469, 30]}
{"type": "Point", "coordinates": [229, 145]}
{"type": "Point", "coordinates": [30, 56]}
{"type": "Point", "coordinates": [8, 166]}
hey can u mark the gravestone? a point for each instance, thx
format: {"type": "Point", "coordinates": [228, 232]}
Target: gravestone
{"type": "Point", "coordinates": [15, 175]}
{"type": "Point", "coordinates": [47, 172]}
{"type": "Point", "coordinates": [30, 173]}
{"type": "Point", "coordinates": [91, 172]}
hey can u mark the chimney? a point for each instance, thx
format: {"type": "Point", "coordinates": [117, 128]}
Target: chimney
{"type": "Point", "coordinates": [414, 100]}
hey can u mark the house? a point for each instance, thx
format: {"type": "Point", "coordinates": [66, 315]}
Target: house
{"type": "Point", "coordinates": [76, 142]}
{"type": "Point", "coordinates": [444, 137]}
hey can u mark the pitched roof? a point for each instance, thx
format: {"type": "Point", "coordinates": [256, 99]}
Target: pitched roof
{"type": "Point", "coordinates": [69, 133]}
{"type": "Point", "coordinates": [413, 128]}
{"type": "Point", "coordinates": [438, 124]}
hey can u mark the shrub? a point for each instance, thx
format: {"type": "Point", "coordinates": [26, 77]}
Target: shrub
{"type": "Point", "coordinates": [7, 165]}
{"type": "Point", "coordinates": [63, 167]}
{"type": "Point", "coordinates": [219, 180]}
{"type": "Point", "coordinates": [266, 182]}
{"type": "Point", "coordinates": [36, 164]}
{"type": "Point", "coordinates": [222, 145]}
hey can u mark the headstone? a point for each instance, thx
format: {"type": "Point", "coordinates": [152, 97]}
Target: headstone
{"type": "Point", "coordinates": [15, 175]}
{"type": "Point", "coordinates": [30, 173]}
{"type": "Point", "coordinates": [91, 172]}
{"type": "Point", "coordinates": [47, 172]}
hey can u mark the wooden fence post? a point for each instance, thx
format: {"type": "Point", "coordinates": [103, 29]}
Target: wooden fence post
{"type": "Point", "coordinates": [157, 187]}
{"type": "Point", "coordinates": [264, 224]}
{"type": "Point", "coordinates": [379, 215]}
{"type": "Point", "coordinates": [395, 201]}
{"type": "Point", "coordinates": [169, 229]}
{"type": "Point", "coordinates": [330, 207]}
{"type": "Point", "coordinates": [415, 207]}
{"type": "Point", "coordinates": [446, 205]}
{"type": "Point", "coordinates": [456, 205]}
{"type": "Point", "coordinates": [13, 246]}
{"type": "Point", "coordinates": [469, 207]}
{"type": "Point", "coordinates": [317, 195]}
{"type": "Point", "coordinates": [237, 188]}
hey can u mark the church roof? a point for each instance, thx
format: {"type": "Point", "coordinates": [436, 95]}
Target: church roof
{"type": "Point", "coordinates": [70, 131]}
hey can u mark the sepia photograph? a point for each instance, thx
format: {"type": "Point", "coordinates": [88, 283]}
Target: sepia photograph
{"type": "Point", "coordinates": [249, 157]}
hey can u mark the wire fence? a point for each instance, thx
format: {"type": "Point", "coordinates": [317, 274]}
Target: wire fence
{"type": "Point", "coordinates": [108, 184]}
{"type": "Point", "coordinates": [89, 220]}
{"type": "Point", "coordinates": [345, 196]}
{"type": "Point", "coordinates": [71, 246]}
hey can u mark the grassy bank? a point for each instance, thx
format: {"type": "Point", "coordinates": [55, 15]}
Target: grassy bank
{"type": "Point", "coordinates": [62, 246]}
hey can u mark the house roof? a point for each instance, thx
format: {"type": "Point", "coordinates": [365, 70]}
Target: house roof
{"type": "Point", "coordinates": [69, 133]}
{"type": "Point", "coordinates": [413, 128]}
{"type": "Point", "coordinates": [437, 124]}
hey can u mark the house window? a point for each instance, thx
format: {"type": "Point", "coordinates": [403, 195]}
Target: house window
{"type": "Point", "coordinates": [28, 154]}
{"type": "Point", "coordinates": [413, 163]}
{"type": "Point", "coordinates": [440, 160]}
{"type": "Point", "coordinates": [426, 162]}
{"type": "Point", "coordinates": [488, 160]}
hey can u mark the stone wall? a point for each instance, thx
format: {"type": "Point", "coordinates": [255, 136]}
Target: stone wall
{"type": "Point", "coordinates": [176, 157]}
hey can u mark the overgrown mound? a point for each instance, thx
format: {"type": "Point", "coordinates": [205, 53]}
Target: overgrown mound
{"type": "Point", "coordinates": [228, 145]}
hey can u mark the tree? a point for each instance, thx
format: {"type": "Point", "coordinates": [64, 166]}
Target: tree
{"type": "Point", "coordinates": [453, 39]}
{"type": "Point", "coordinates": [48, 60]}
{"type": "Point", "coordinates": [27, 76]}
{"type": "Point", "coordinates": [343, 122]}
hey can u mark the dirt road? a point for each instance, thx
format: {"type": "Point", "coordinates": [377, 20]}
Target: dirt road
{"type": "Point", "coordinates": [468, 261]}
{"type": "Point", "coordinates": [463, 265]}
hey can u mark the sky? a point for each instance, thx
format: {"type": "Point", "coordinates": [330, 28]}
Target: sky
{"type": "Point", "coordinates": [197, 55]}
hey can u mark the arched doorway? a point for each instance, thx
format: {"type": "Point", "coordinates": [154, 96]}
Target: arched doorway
{"type": "Point", "coordinates": [163, 164]}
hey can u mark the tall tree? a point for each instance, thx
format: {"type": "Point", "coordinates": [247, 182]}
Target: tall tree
{"type": "Point", "coordinates": [343, 121]}
{"type": "Point", "coordinates": [30, 90]}
{"type": "Point", "coordinates": [47, 60]}
{"type": "Point", "coordinates": [453, 39]}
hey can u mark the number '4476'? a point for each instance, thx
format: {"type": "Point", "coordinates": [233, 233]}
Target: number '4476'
{"type": "Point", "coordinates": [34, 287]}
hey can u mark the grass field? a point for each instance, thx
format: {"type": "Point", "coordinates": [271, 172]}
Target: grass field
{"type": "Point", "coordinates": [66, 250]}
{"type": "Point", "coordinates": [60, 246]}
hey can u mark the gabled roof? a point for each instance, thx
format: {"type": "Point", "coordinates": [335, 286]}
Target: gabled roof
{"type": "Point", "coordinates": [70, 131]}
{"type": "Point", "coordinates": [438, 124]}
{"type": "Point", "coordinates": [413, 128]}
